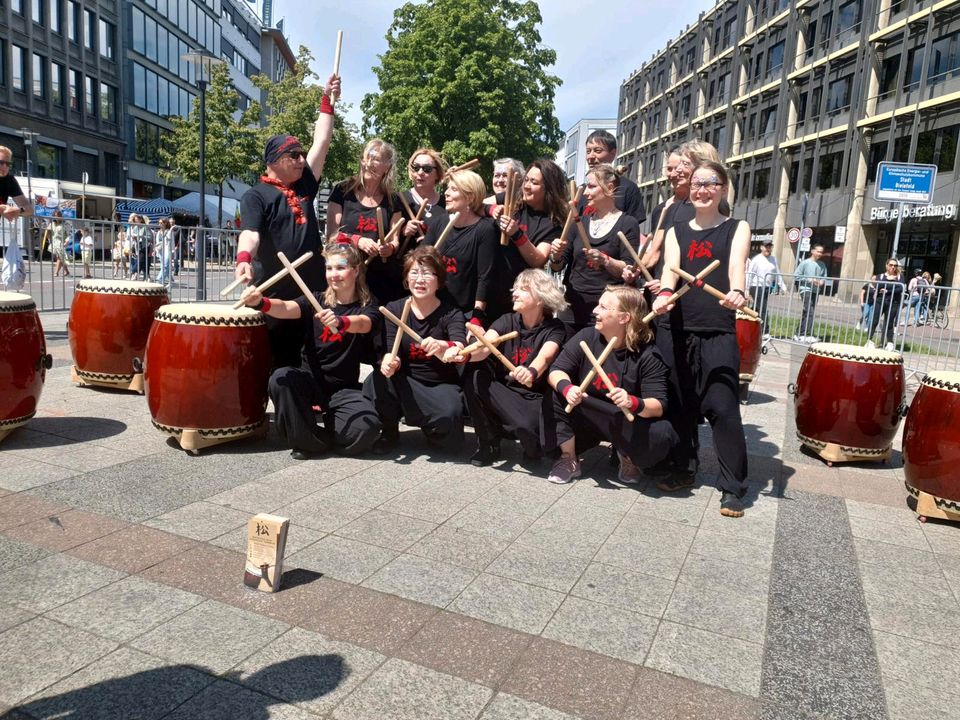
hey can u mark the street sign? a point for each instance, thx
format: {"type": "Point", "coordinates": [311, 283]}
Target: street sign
{"type": "Point", "coordinates": [793, 234]}
{"type": "Point", "coordinates": [805, 245]}
{"type": "Point", "coordinates": [905, 182]}
{"type": "Point", "coordinates": [839, 234]}
{"type": "Point", "coordinates": [807, 233]}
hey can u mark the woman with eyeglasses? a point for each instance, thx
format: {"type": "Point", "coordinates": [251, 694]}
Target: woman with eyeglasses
{"type": "Point", "coordinates": [697, 337]}
{"type": "Point", "coordinates": [513, 402]}
{"type": "Point", "coordinates": [421, 384]}
{"type": "Point", "coordinates": [425, 170]}
{"type": "Point", "coordinates": [590, 270]}
{"type": "Point", "coordinates": [352, 216]}
{"type": "Point", "coordinates": [470, 249]}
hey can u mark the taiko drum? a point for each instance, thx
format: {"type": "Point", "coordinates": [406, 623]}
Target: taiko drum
{"type": "Point", "coordinates": [750, 341]}
{"type": "Point", "coordinates": [931, 441]}
{"type": "Point", "coordinates": [849, 401]}
{"type": "Point", "coordinates": [23, 360]}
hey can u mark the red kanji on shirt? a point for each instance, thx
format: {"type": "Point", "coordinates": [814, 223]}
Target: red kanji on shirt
{"type": "Point", "coordinates": [330, 336]}
{"type": "Point", "coordinates": [600, 385]}
{"type": "Point", "coordinates": [521, 355]}
{"type": "Point", "coordinates": [451, 263]}
{"type": "Point", "coordinates": [700, 250]}
{"type": "Point", "coordinates": [588, 210]}
{"type": "Point", "coordinates": [366, 224]}
{"type": "Point", "coordinates": [418, 353]}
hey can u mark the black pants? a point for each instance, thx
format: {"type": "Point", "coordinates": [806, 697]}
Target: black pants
{"type": "Point", "coordinates": [705, 379]}
{"type": "Point", "coordinates": [350, 420]}
{"type": "Point", "coordinates": [646, 441]}
{"type": "Point", "coordinates": [761, 296]}
{"type": "Point", "coordinates": [286, 342]}
{"type": "Point", "coordinates": [889, 309]}
{"type": "Point", "coordinates": [496, 407]}
{"type": "Point", "coordinates": [435, 409]}
{"type": "Point", "coordinates": [807, 317]}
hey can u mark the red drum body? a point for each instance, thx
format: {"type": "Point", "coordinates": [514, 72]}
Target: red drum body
{"type": "Point", "coordinates": [849, 401]}
{"type": "Point", "coordinates": [931, 444]}
{"type": "Point", "coordinates": [206, 373]}
{"type": "Point", "coordinates": [23, 360]}
{"type": "Point", "coordinates": [750, 340]}
{"type": "Point", "coordinates": [108, 328]}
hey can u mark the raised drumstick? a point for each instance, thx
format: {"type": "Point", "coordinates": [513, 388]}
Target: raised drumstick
{"type": "Point", "coordinates": [469, 165]}
{"type": "Point", "coordinates": [636, 256]}
{"type": "Point", "coordinates": [508, 202]}
{"type": "Point", "coordinates": [336, 56]}
{"type": "Point", "coordinates": [593, 372]}
{"type": "Point", "coordinates": [231, 287]}
{"type": "Point", "coordinates": [496, 341]}
{"type": "Point", "coordinates": [572, 213]}
{"type": "Point", "coordinates": [478, 334]}
{"type": "Point", "coordinates": [603, 376]}
{"type": "Point", "coordinates": [380, 230]}
{"type": "Point", "coordinates": [307, 292]}
{"type": "Point", "coordinates": [406, 206]}
{"type": "Point", "coordinates": [404, 314]}
{"type": "Point", "coordinates": [400, 324]}
{"type": "Point", "coordinates": [686, 288]}
{"type": "Point", "coordinates": [277, 278]}
{"type": "Point", "coordinates": [718, 294]}
{"type": "Point", "coordinates": [446, 231]}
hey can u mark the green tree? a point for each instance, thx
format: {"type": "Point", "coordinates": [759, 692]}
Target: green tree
{"type": "Point", "coordinates": [292, 105]}
{"type": "Point", "coordinates": [468, 77]}
{"type": "Point", "coordinates": [231, 139]}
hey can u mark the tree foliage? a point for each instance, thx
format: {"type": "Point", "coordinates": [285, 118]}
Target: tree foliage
{"type": "Point", "coordinates": [468, 77]}
{"type": "Point", "coordinates": [292, 106]}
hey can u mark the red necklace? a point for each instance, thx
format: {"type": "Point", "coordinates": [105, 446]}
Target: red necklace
{"type": "Point", "coordinates": [292, 200]}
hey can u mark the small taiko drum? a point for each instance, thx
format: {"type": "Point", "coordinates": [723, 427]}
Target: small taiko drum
{"type": "Point", "coordinates": [23, 360]}
{"type": "Point", "coordinates": [108, 328]}
{"type": "Point", "coordinates": [931, 446]}
{"type": "Point", "coordinates": [849, 401]}
{"type": "Point", "coordinates": [750, 341]}
{"type": "Point", "coordinates": [206, 373]}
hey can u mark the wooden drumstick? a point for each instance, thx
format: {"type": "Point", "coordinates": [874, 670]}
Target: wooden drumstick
{"type": "Point", "coordinates": [603, 376]}
{"type": "Point", "coordinates": [582, 232]}
{"type": "Point", "coordinates": [406, 206]}
{"type": "Point", "coordinates": [404, 314]}
{"type": "Point", "coordinates": [446, 231]}
{"type": "Point", "coordinates": [276, 278]}
{"type": "Point", "coordinates": [636, 256]}
{"type": "Point", "coordinates": [403, 243]}
{"type": "Point", "coordinates": [231, 287]}
{"type": "Point", "coordinates": [496, 341]}
{"type": "Point", "coordinates": [307, 292]}
{"type": "Point", "coordinates": [508, 203]}
{"type": "Point", "coordinates": [718, 294]}
{"type": "Point", "coordinates": [685, 289]}
{"type": "Point", "coordinates": [336, 56]}
{"type": "Point", "coordinates": [400, 324]}
{"type": "Point", "coordinates": [478, 333]}
{"type": "Point", "coordinates": [380, 230]}
{"type": "Point", "coordinates": [593, 372]}
{"type": "Point", "coordinates": [389, 238]}
{"type": "Point", "coordinates": [572, 214]}
{"type": "Point", "coordinates": [469, 165]}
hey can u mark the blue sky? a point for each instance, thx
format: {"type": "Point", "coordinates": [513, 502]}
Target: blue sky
{"type": "Point", "coordinates": [598, 44]}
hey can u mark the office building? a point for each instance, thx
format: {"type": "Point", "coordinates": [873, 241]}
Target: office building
{"type": "Point", "coordinates": [571, 156]}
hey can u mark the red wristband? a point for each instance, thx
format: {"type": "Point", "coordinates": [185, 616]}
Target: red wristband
{"type": "Point", "coordinates": [450, 343]}
{"type": "Point", "coordinates": [634, 403]}
{"type": "Point", "coordinates": [476, 321]}
{"type": "Point", "coordinates": [264, 305]}
{"type": "Point", "coordinates": [665, 293]}
{"type": "Point", "coordinates": [566, 390]}
{"type": "Point", "coordinates": [326, 107]}
{"type": "Point", "coordinates": [522, 240]}
{"type": "Point", "coordinates": [244, 257]}
{"type": "Point", "coordinates": [491, 209]}
{"type": "Point", "coordinates": [343, 323]}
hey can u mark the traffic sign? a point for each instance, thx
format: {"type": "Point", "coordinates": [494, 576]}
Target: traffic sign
{"type": "Point", "coordinates": [905, 182]}
{"type": "Point", "coordinates": [805, 244]}
{"type": "Point", "coordinates": [793, 234]}
{"type": "Point", "coordinates": [807, 232]}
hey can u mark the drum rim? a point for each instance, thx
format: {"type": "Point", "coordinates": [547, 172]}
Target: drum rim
{"type": "Point", "coordinates": [864, 355]}
{"type": "Point", "coordinates": [932, 380]}
{"type": "Point", "coordinates": [106, 286]}
{"type": "Point", "coordinates": [16, 302]}
{"type": "Point", "coordinates": [743, 316]}
{"type": "Point", "coordinates": [239, 317]}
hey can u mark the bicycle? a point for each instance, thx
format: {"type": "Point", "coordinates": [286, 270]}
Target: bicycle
{"type": "Point", "coordinates": [941, 318]}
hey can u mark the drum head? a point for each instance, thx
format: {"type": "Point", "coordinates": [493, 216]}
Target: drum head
{"type": "Point", "coordinates": [943, 380]}
{"type": "Point", "coordinates": [16, 302]}
{"type": "Point", "coordinates": [855, 353]}
{"type": "Point", "coordinates": [121, 287]}
{"type": "Point", "coordinates": [209, 314]}
{"type": "Point", "coordinates": [743, 316]}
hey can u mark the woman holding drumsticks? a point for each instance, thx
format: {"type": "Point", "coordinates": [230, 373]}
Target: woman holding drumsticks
{"type": "Point", "coordinates": [698, 339]}
{"type": "Point", "coordinates": [425, 170]}
{"type": "Point", "coordinates": [639, 378]}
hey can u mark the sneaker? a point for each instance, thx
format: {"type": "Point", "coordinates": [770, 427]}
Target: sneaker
{"type": "Point", "coordinates": [869, 344]}
{"type": "Point", "coordinates": [676, 482]}
{"type": "Point", "coordinates": [731, 505]}
{"type": "Point", "coordinates": [797, 338]}
{"type": "Point", "coordinates": [299, 455]}
{"type": "Point", "coordinates": [857, 327]}
{"type": "Point", "coordinates": [888, 346]}
{"type": "Point", "coordinates": [486, 453]}
{"type": "Point", "coordinates": [629, 473]}
{"type": "Point", "coordinates": [564, 470]}
{"type": "Point", "coordinates": [388, 440]}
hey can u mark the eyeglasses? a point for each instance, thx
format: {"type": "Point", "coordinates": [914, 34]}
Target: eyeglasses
{"type": "Point", "coordinates": [294, 154]}
{"type": "Point", "coordinates": [424, 274]}
{"type": "Point", "coordinates": [8, 163]}
{"type": "Point", "coordinates": [893, 265]}
{"type": "Point", "coordinates": [500, 174]}
{"type": "Point", "coordinates": [705, 184]}
{"type": "Point", "coordinates": [422, 168]}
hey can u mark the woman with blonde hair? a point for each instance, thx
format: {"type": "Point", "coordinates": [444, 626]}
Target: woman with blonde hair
{"type": "Point", "coordinates": [58, 240]}
{"type": "Point", "coordinates": [329, 376]}
{"type": "Point", "coordinates": [639, 375]}
{"type": "Point", "coordinates": [425, 170]}
{"type": "Point", "coordinates": [513, 402]}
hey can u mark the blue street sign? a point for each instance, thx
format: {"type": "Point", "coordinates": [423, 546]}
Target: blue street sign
{"type": "Point", "coordinates": [905, 182]}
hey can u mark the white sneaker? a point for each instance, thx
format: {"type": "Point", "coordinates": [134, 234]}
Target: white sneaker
{"type": "Point", "coordinates": [869, 344]}
{"type": "Point", "coordinates": [888, 346]}
{"type": "Point", "coordinates": [857, 327]}
{"type": "Point", "coordinates": [797, 338]}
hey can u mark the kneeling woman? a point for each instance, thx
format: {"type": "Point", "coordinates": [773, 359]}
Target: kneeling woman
{"type": "Point", "coordinates": [640, 376]}
{"type": "Point", "coordinates": [329, 376]}
{"type": "Point", "coordinates": [514, 401]}
{"type": "Point", "coordinates": [420, 383]}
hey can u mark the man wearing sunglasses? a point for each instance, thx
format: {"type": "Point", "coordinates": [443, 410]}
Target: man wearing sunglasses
{"type": "Point", "coordinates": [10, 190]}
{"type": "Point", "coordinates": [277, 215]}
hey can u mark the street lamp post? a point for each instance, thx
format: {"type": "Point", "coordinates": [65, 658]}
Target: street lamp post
{"type": "Point", "coordinates": [28, 137]}
{"type": "Point", "coordinates": [204, 63]}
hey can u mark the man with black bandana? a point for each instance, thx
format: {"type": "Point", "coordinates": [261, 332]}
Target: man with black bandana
{"type": "Point", "coordinates": [277, 215]}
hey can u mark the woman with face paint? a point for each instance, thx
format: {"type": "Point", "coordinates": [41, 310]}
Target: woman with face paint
{"type": "Point", "coordinates": [329, 376]}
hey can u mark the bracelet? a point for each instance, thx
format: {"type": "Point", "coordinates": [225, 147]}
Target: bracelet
{"type": "Point", "coordinates": [244, 257]}
{"type": "Point", "coordinates": [326, 107]}
{"type": "Point", "coordinates": [563, 387]}
{"type": "Point", "coordinates": [739, 291]}
{"type": "Point", "coordinates": [533, 371]}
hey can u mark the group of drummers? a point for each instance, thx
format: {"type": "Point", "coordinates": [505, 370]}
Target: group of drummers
{"type": "Point", "coordinates": [527, 309]}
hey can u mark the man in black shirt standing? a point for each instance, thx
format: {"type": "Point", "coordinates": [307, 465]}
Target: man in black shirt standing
{"type": "Point", "coordinates": [277, 215]}
{"type": "Point", "coordinates": [10, 190]}
{"type": "Point", "coordinates": [601, 147]}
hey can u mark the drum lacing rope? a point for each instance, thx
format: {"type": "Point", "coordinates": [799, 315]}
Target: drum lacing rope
{"type": "Point", "coordinates": [18, 308]}
{"type": "Point", "coordinates": [217, 321]}
{"type": "Point", "coordinates": [941, 384]}
{"type": "Point", "coordinates": [17, 420]}
{"type": "Point", "coordinates": [873, 359]}
{"type": "Point", "coordinates": [216, 432]}
{"type": "Point", "coordinates": [107, 290]}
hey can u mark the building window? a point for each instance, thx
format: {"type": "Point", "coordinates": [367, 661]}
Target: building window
{"type": "Point", "coordinates": [89, 96]}
{"type": "Point", "coordinates": [39, 87]}
{"type": "Point", "coordinates": [17, 6]}
{"type": "Point", "coordinates": [914, 69]}
{"type": "Point", "coordinates": [878, 153]}
{"type": "Point", "coordinates": [848, 17]}
{"type": "Point", "coordinates": [944, 57]}
{"type": "Point", "coordinates": [18, 66]}
{"type": "Point", "coordinates": [826, 27]}
{"type": "Point", "coordinates": [938, 147]}
{"type": "Point", "coordinates": [89, 29]}
{"type": "Point", "coordinates": [56, 83]}
{"type": "Point", "coordinates": [830, 171]}
{"type": "Point", "coordinates": [768, 122]}
{"type": "Point", "coordinates": [73, 21]}
{"type": "Point", "coordinates": [46, 161]}
{"type": "Point", "coordinates": [761, 183]}
{"type": "Point", "coordinates": [839, 95]}
{"type": "Point", "coordinates": [108, 102]}
{"type": "Point", "coordinates": [36, 11]}
{"type": "Point", "coordinates": [56, 19]}
{"type": "Point", "coordinates": [108, 34]}
{"type": "Point", "coordinates": [888, 75]}
{"type": "Point", "coordinates": [775, 58]}
{"type": "Point", "coordinates": [74, 89]}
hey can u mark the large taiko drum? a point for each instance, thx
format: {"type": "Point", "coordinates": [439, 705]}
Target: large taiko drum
{"type": "Point", "coordinates": [108, 328]}
{"type": "Point", "coordinates": [750, 341]}
{"type": "Point", "coordinates": [206, 373]}
{"type": "Point", "coordinates": [849, 401]}
{"type": "Point", "coordinates": [23, 360]}
{"type": "Point", "coordinates": [931, 446]}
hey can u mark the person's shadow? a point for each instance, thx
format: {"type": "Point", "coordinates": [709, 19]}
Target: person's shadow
{"type": "Point", "coordinates": [190, 692]}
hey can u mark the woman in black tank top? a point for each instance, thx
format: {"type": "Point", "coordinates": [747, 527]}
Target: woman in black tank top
{"type": "Point", "coordinates": [697, 338]}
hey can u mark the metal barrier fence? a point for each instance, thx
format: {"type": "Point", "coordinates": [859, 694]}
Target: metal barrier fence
{"type": "Point", "coordinates": [119, 251]}
{"type": "Point", "coordinates": [921, 325]}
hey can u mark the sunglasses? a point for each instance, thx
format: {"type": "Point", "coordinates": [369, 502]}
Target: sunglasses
{"type": "Point", "coordinates": [294, 154]}
{"type": "Point", "coordinates": [422, 168]}
{"type": "Point", "coordinates": [8, 163]}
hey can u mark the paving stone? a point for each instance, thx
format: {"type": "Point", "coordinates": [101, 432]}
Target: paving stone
{"type": "Point", "coordinates": [309, 670]}
{"type": "Point", "coordinates": [54, 651]}
{"type": "Point", "coordinates": [896, 533]}
{"type": "Point", "coordinates": [228, 701]}
{"type": "Point", "coordinates": [908, 701]}
{"type": "Point", "coordinates": [505, 525]}
{"type": "Point", "coordinates": [624, 589]}
{"type": "Point", "coordinates": [53, 581]}
{"type": "Point", "coordinates": [603, 629]}
{"type": "Point", "coordinates": [132, 549]}
{"type": "Point", "coordinates": [66, 530]}
{"type": "Point", "coordinates": [909, 588]}
{"type": "Point", "coordinates": [508, 603]}
{"type": "Point", "coordinates": [529, 497]}
{"type": "Point", "coordinates": [872, 552]}
{"type": "Point", "coordinates": [403, 691]}
{"type": "Point", "coordinates": [211, 634]}
{"type": "Point", "coordinates": [125, 609]}
{"type": "Point", "coordinates": [341, 558]}
{"type": "Point", "coordinates": [298, 538]}
{"type": "Point", "coordinates": [124, 684]}
{"type": "Point", "coordinates": [28, 474]}
{"type": "Point", "coordinates": [388, 530]}
{"type": "Point", "coordinates": [919, 663]}
{"type": "Point", "coordinates": [881, 513]}
{"type": "Point", "coordinates": [713, 606]}
{"type": "Point", "coordinates": [724, 546]}
{"type": "Point", "coordinates": [547, 568]}
{"type": "Point", "coordinates": [456, 546]}
{"type": "Point", "coordinates": [200, 521]}
{"type": "Point", "coordinates": [19, 509]}
{"type": "Point", "coordinates": [320, 513]}
{"type": "Point", "coordinates": [16, 553]}
{"type": "Point", "coordinates": [746, 579]}
{"type": "Point", "coordinates": [914, 620]}
{"type": "Point", "coordinates": [10, 615]}
{"type": "Point", "coordinates": [419, 579]}
{"type": "Point", "coordinates": [508, 707]}
{"type": "Point", "coordinates": [259, 497]}
{"type": "Point", "coordinates": [943, 538]}
{"type": "Point", "coordinates": [660, 558]}
{"type": "Point", "coordinates": [660, 696]}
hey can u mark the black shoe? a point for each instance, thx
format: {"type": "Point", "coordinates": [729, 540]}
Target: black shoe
{"type": "Point", "coordinates": [387, 442]}
{"type": "Point", "coordinates": [486, 454]}
{"type": "Point", "coordinates": [614, 458]}
{"type": "Point", "coordinates": [299, 455]}
{"type": "Point", "coordinates": [662, 469]}
{"type": "Point", "coordinates": [676, 482]}
{"type": "Point", "coordinates": [731, 505]}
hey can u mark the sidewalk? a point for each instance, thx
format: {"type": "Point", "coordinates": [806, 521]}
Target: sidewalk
{"type": "Point", "coordinates": [421, 587]}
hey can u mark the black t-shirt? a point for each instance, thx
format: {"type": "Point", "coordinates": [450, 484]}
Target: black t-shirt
{"type": "Point", "coordinates": [698, 311]}
{"type": "Point", "coordinates": [643, 374]}
{"type": "Point", "coordinates": [888, 290]}
{"type": "Point", "coordinates": [444, 323]}
{"type": "Point", "coordinates": [585, 284]}
{"type": "Point", "coordinates": [9, 188]}
{"type": "Point", "coordinates": [357, 218]}
{"type": "Point", "coordinates": [334, 357]}
{"type": "Point", "coordinates": [469, 253]}
{"type": "Point", "coordinates": [678, 212]}
{"type": "Point", "coordinates": [627, 198]}
{"type": "Point", "coordinates": [264, 210]}
{"type": "Point", "coordinates": [524, 348]}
